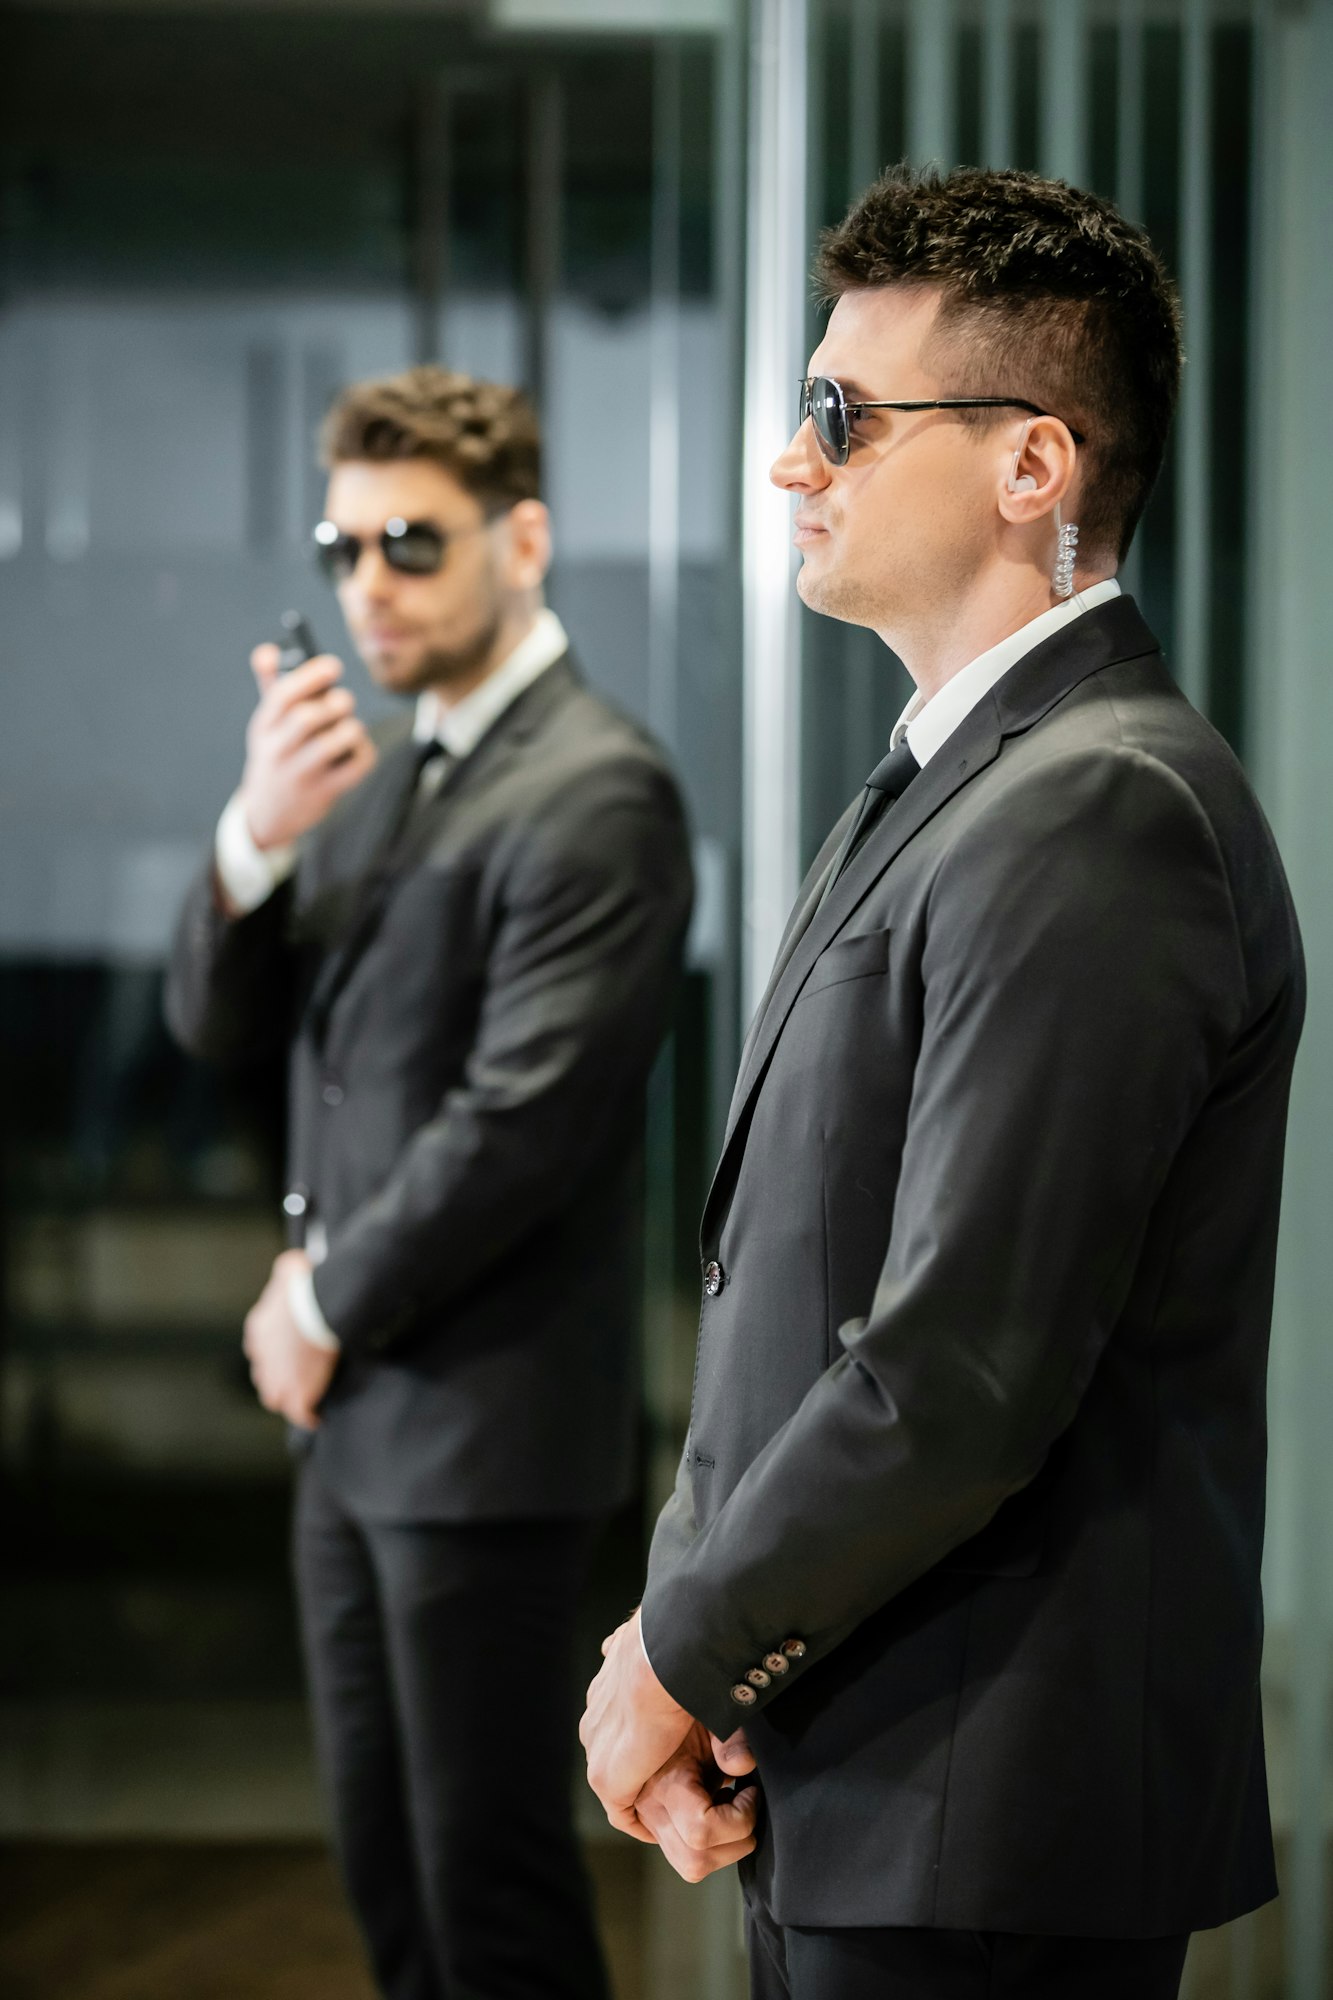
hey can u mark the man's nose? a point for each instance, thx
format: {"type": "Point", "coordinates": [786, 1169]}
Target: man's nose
{"type": "Point", "coordinates": [372, 580]}
{"type": "Point", "coordinates": [802, 467]}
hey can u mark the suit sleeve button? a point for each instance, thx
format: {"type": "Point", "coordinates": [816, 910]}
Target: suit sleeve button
{"type": "Point", "coordinates": [794, 1648]}
{"type": "Point", "coordinates": [758, 1678]}
{"type": "Point", "coordinates": [743, 1696]}
{"type": "Point", "coordinates": [713, 1279]}
{"type": "Point", "coordinates": [776, 1663]}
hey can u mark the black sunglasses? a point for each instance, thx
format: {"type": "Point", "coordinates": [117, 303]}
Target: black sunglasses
{"type": "Point", "coordinates": [823, 400]}
{"type": "Point", "coordinates": [417, 548]}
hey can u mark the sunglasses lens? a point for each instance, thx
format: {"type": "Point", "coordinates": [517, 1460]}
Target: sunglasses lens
{"type": "Point", "coordinates": [828, 413]}
{"type": "Point", "coordinates": [413, 546]}
{"type": "Point", "coordinates": [337, 554]}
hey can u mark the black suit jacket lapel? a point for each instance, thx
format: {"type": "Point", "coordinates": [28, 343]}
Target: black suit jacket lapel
{"type": "Point", "coordinates": [524, 716]}
{"type": "Point", "coordinates": [803, 909]}
{"type": "Point", "coordinates": [975, 744]}
{"type": "Point", "coordinates": [1111, 632]}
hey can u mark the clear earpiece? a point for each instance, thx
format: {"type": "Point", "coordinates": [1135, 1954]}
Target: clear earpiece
{"type": "Point", "coordinates": [1066, 552]}
{"type": "Point", "coordinates": [1027, 483]}
{"type": "Point", "coordinates": [1066, 538]}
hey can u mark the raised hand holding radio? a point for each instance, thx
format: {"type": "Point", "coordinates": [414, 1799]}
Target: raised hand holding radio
{"type": "Point", "coordinates": [305, 746]}
{"type": "Point", "coordinates": [298, 641]}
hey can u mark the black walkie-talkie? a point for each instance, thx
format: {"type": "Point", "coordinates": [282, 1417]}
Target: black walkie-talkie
{"type": "Point", "coordinates": [297, 643]}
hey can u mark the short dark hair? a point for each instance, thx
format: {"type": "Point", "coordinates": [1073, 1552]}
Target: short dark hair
{"type": "Point", "coordinates": [484, 433]}
{"type": "Point", "coordinates": [1049, 294]}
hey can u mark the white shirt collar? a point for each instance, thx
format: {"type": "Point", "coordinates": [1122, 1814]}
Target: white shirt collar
{"type": "Point", "coordinates": [928, 725]}
{"type": "Point", "coordinates": [461, 725]}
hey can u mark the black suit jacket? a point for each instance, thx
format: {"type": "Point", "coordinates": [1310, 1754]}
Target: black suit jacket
{"type": "Point", "coordinates": [470, 1034]}
{"type": "Point", "coordinates": [979, 1404]}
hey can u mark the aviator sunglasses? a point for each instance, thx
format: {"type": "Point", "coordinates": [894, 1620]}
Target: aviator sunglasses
{"type": "Point", "coordinates": [826, 404]}
{"type": "Point", "coordinates": [417, 548]}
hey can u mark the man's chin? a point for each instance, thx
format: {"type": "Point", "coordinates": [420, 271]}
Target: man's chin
{"type": "Point", "coordinates": [817, 590]}
{"type": "Point", "coordinates": [827, 596]}
{"type": "Point", "coordinates": [396, 673]}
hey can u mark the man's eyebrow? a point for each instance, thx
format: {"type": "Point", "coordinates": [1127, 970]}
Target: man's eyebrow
{"type": "Point", "coordinates": [854, 392]}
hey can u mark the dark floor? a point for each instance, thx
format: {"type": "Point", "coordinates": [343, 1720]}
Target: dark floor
{"type": "Point", "coordinates": [266, 1921]}
{"type": "Point", "coordinates": [150, 1921]}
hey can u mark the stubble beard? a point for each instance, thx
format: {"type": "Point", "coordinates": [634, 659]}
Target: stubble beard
{"type": "Point", "coordinates": [446, 668]}
{"type": "Point", "coordinates": [835, 596]}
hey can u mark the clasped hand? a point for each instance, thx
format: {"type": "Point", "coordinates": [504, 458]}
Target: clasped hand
{"type": "Point", "coordinates": [290, 1374]}
{"type": "Point", "coordinates": [658, 1772]}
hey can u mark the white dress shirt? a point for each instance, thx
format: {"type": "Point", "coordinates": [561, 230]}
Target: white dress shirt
{"type": "Point", "coordinates": [250, 874]}
{"type": "Point", "coordinates": [461, 726]}
{"type": "Point", "coordinates": [928, 725]}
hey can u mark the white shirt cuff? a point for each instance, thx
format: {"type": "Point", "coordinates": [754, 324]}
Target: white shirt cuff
{"type": "Point", "coordinates": [305, 1311]}
{"type": "Point", "coordinates": [249, 874]}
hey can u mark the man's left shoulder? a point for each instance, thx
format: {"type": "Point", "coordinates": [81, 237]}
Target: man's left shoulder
{"type": "Point", "coordinates": [1131, 717]}
{"type": "Point", "coordinates": [586, 719]}
{"type": "Point", "coordinates": [588, 750]}
{"type": "Point", "coordinates": [1121, 782]}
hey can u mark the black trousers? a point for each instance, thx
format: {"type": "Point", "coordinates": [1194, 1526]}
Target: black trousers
{"type": "Point", "coordinates": [787, 1963]}
{"type": "Point", "coordinates": [441, 1669]}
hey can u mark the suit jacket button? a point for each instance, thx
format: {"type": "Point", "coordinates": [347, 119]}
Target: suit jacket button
{"type": "Point", "coordinates": [776, 1663]}
{"type": "Point", "coordinates": [713, 1279]}
{"type": "Point", "coordinates": [794, 1648]}
{"type": "Point", "coordinates": [758, 1678]}
{"type": "Point", "coordinates": [332, 1093]}
{"type": "Point", "coordinates": [296, 1201]}
{"type": "Point", "coordinates": [742, 1695]}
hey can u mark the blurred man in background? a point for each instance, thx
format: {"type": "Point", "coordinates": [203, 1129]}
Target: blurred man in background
{"type": "Point", "coordinates": [467, 929]}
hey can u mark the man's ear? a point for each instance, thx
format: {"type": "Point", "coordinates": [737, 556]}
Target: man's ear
{"type": "Point", "coordinates": [1038, 475]}
{"type": "Point", "coordinates": [528, 533]}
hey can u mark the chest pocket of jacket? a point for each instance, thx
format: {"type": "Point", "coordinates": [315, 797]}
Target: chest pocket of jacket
{"type": "Point", "coordinates": [858, 957]}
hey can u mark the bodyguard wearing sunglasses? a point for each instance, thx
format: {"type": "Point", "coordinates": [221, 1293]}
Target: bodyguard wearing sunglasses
{"type": "Point", "coordinates": [466, 929]}
{"type": "Point", "coordinates": [965, 1549]}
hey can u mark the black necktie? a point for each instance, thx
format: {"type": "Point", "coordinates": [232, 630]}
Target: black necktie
{"type": "Point", "coordinates": [430, 756]}
{"type": "Point", "coordinates": [427, 753]}
{"type": "Point", "coordinates": [431, 762]}
{"type": "Point", "coordinates": [887, 782]}
{"type": "Point", "coordinates": [428, 768]}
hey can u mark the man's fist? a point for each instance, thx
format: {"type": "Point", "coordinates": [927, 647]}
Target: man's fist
{"type": "Point", "coordinates": [305, 746]}
{"type": "Point", "coordinates": [630, 1727]}
{"type": "Point", "coordinates": [697, 1822]}
{"type": "Point", "coordinates": [289, 1372]}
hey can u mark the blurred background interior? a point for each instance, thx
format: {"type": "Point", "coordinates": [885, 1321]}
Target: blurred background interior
{"type": "Point", "coordinates": [214, 214]}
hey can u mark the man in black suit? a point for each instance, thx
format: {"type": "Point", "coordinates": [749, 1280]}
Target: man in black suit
{"type": "Point", "coordinates": [968, 1525]}
{"type": "Point", "coordinates": [467, 930]}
